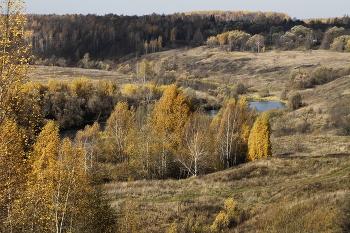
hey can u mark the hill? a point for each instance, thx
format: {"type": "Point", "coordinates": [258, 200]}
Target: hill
{"type": "Point", "coordinates": [280, 194]}
{"type": "Point", "coordinates": [303, 187]}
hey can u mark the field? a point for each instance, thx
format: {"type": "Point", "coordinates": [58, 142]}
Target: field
{"type": "Point", "coordinates": [303, 187]}
{"type": "Point", "coordinates": [45, 73]}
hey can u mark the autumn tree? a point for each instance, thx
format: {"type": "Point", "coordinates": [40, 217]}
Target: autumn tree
{"type": "Point", "coordinates": [330, 35]}
{"type": "Point", "coordinates": [14, 63]}
{"type": "Point", "coordinates": [160, 43]}
{"type": "Point", "coordinates": [232, 126]}
{"type": "Point", "coordinates": [118, 127]}
{"type": "Point", "coordinates": [212, 42]}
{"type": "Point", "coordinates": [195, 154]}
{"type": "Point", "coordinates": [38, 205]}
{"type": "Point", "coordinates": [167, 123]}
{"type": "Point", "coordinates": [16, 127]}
{"type": "Point", "coordinates": [259, 145]}
{"type": "Point", "coordinates": [87, 141]}
{"type": "Point", "coordinates": [145, 70]}
{"type": "Point", "coordinates": [12, 173]}
{"type": "Point", "coordinates": [173, 35]}
{"type": "Point", "coordinates": [294, 101]}
{"type": "Point", "coordinates": [339, 44]}
{"type": "Point", "coordinates": [70, 201]}
{"type": "Point", "coordinates": [145, 47]}
{"type": "Point", "coordinates": [222, 38]}
{"type": "Point", "coordinates": [237, 39]}
{"type": "Point", "coordinates": [257, 42]}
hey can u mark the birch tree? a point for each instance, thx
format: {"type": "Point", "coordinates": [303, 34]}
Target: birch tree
{"type": "Point", "coordinates": [168, 119]}
{"type": "Point", "coordinates": [232, 137]}
{"type": "Point", "coordinates": [14, 54]}
{"type": "Point", "coordinates": [259, 139]}
{"type": "Point", "coordinates": [12, 173]}
{"type": "Point", "coordinates": [195, 156]}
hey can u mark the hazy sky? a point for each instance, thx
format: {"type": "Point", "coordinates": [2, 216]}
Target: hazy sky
{"type": "Point", "coordinates": [301, 9]}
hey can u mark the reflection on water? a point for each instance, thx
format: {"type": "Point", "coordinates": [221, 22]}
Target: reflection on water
{"type": "Point", "coordinates": [262, 106]}
{"type": "Point", "coordinates": [212, 112]}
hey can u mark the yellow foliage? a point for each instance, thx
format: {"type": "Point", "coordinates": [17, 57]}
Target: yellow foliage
{"type": "Point", "coordinates": [315, 133]}
{"type": "Point", "coordinates": [167, 125]}
{"type": "Point", "coordinates": [12, 172]}
{"type": "Point", "coordinates": [145, 70]}
{"type": "Point", "coordinates": [131, 90]}
{"type": "Point", "coordinates": [118, 130]}
{"type": "Point", "coordinates": [232, 126]}
{"type": "Point", "coordinates": [347, 46]}
{"type": "Point", "coordinates": [82, 87]}
{"type": "Point", "coordinates": [259, 145]}
{"type": "Point", "coordinates": [221, 222]}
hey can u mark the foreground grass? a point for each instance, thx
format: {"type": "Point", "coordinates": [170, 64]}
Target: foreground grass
{"type": "Point", "coordinates": [279, 194]}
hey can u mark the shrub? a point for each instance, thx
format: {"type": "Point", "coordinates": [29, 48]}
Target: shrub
{"type": "Point", "coordinates": [264, 93]}
{"type": "Point", "coordinates": [294, 101]}
{"type": "Point", "coordinates": [340, 116]}
{"type": "Point", "coordinates": [299, 79]}
{"type": "Point", "coordinates": [221, 222]}
{"type": "Point", "coordinates": [323, 74]}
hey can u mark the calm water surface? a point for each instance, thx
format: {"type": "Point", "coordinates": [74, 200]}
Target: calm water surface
{"type": "Point", "coordinates": [263, 106]}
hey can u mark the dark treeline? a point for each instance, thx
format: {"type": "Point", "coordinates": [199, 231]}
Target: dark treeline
{"type": "Point", "coordinates": [116, 36]}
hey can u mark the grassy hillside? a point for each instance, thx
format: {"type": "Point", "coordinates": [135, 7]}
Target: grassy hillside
{"type": "Point", "coordinates": [304, 187]}
{"type": "Point", "coordinates": [280, 194]}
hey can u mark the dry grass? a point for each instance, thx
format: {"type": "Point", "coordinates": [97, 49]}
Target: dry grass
{"type": "Point", "coordinates": [300, 191]}
{"type": "Point", "coordinates": [45, 73]}
{"type": "Point", "coordinates": [254, 70]}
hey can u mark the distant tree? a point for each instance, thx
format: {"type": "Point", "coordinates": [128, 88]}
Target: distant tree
{"type": "Point", "coordinates": [212, 42]}
{"type": "Point", "coordinates": [160, 43]}
{"type": "Point", "coordinates": [347, 47]}
{"type": "Point", "coordinates": [145, 47]}
{"type": "Point", "coordinates": [197, 39]}
{"type": "Point", "coordinates": [257, 42]}
{"type": "Point", "coordinates": [339, 44]}
{"type": "Point", "coordinates": [330, 35]}
{"type": "Point", "coordinates": [145, 70]}
{"type": "Point", "coordinates": [173, 35]}
{"type": "Point", "coordinates": [222, 38]}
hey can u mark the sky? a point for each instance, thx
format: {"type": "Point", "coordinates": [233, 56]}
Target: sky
{"type": "Point", "coordinates": [300, 9]}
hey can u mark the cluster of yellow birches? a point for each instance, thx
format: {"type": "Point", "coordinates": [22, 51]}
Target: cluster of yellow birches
{"type": "Point", "coordinates": [46, 184]}
{"type": "Point", "coordinates": [175, 140]}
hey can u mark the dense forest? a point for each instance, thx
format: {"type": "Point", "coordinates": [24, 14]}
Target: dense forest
{"type": "Point", "coordinates": [65, 39]}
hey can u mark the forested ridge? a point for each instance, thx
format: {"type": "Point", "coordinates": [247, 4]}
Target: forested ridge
{"type": "Point", "coordinates": [65, 39]}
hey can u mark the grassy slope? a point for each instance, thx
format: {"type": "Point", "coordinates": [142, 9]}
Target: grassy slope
{"type": "Point", "coordinates": [304, 184]}
{"type": "Point", "coordinates": [263, 190]}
